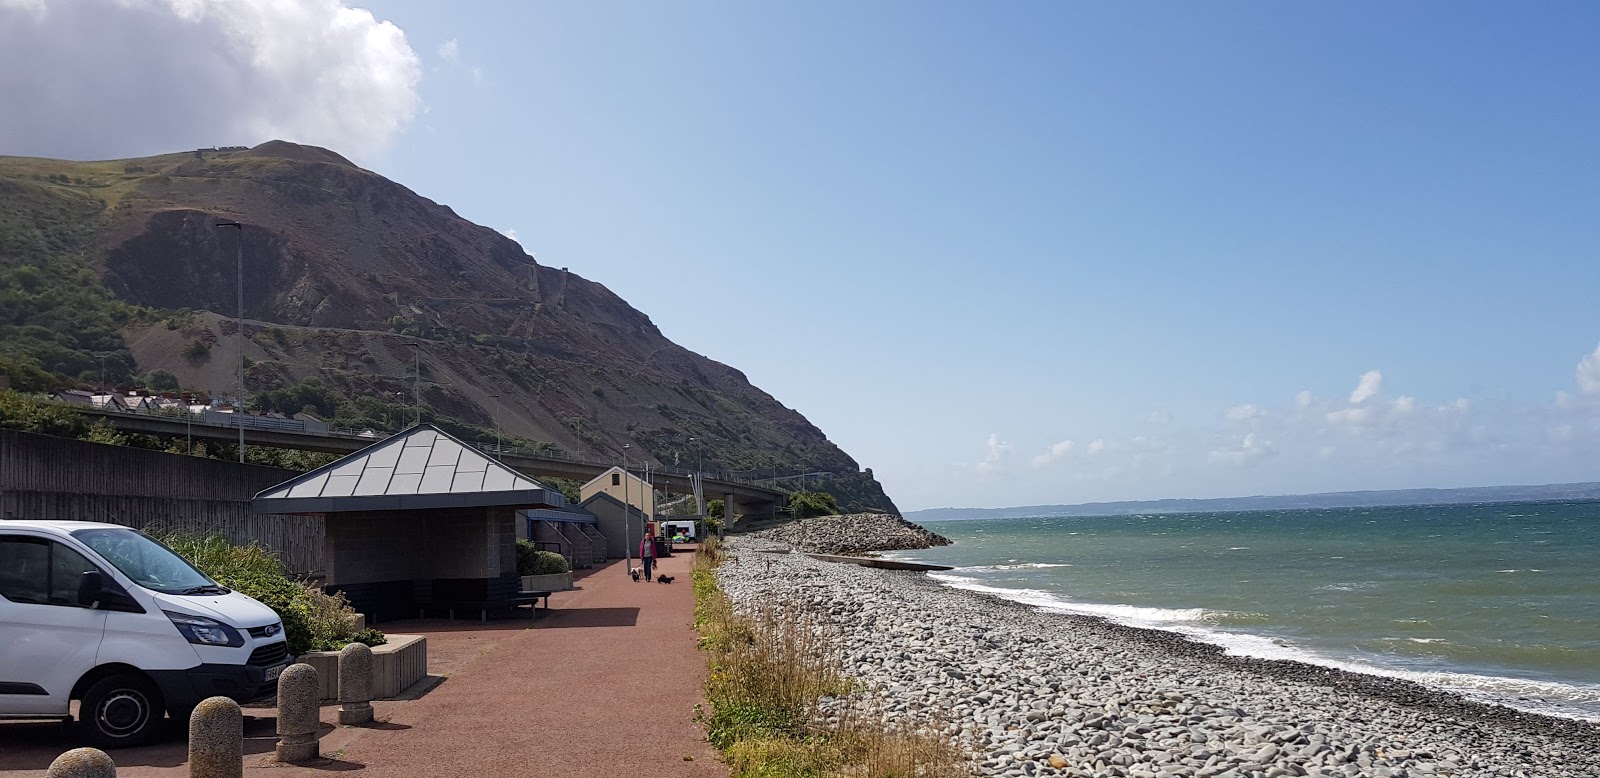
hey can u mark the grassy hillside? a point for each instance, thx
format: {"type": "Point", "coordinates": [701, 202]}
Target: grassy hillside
{"type": "Point", "coordinates": [119, 264]}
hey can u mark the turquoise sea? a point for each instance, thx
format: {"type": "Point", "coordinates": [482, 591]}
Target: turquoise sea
{"type": "Point", "coordinates": [1500, 602]}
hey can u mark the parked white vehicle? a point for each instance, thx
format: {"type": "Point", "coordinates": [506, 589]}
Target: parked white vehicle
{"type": "Point", "coordinates": [106, 615]}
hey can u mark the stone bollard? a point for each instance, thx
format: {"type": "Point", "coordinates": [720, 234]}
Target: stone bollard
{"type": "Point", "coordinates": [355, 684]}
{"type": "Point", "coordinates": [298, 696]}
{"type": "Point", "coordinates": [216, 739]}
{"type": "Point", "coordinates": [83, 763]}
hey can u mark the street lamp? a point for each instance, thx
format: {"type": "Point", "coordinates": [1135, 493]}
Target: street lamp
{"type": "Point", "coordinates": [239, 269]}
{"type": "Point", "coordinates": [416, 378]}
{"type": "Point", "coordinates": [627, 516]}
{"type": "Point", "coordinates": [496, 423]}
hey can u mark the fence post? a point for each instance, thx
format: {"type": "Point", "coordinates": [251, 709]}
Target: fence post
{"type": "Point", "coordinates": [83, 763]}
{"type": "Point", "coordinates": [355, 684]}
{"type": "Point", "coordinates": [298, 696]}
{"type": "Point", "coordinates": [216, 739]}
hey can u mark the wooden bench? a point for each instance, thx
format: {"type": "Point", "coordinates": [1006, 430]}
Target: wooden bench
{"type": "Point", "coordinates": [484, 606]}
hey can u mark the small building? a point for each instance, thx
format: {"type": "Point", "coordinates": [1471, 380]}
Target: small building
{"type": "Point", "coordinates": [417, 520]}
{"type": "Point", "coordinates": [625, 487]}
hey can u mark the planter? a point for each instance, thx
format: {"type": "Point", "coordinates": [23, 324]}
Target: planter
{"type": "Point", "coordinates": [551, 582]}
{"type": "Point", "coordinates": [396, 665]}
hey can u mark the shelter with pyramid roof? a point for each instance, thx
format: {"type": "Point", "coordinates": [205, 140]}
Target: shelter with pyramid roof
{"type": "Point", "coordinates": [419, 519]}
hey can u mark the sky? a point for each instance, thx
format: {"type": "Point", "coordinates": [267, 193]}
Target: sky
{"type": "Point", "coordinates": [1001, 253]}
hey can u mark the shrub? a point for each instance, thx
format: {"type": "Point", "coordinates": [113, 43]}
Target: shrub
{"type": "Point", "coordinates": [532, 561]}
{"type": "Point", "coordinates": [312, 620]}
{"type": "Point", "coordinates": [808, 504]}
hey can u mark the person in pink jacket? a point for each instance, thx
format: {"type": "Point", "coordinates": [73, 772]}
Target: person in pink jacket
{"type": "Point", "coordinates": [647, 555]}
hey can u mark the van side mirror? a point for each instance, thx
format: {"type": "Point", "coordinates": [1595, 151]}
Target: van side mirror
{"type": "Point", "coordinates": [90, 585]}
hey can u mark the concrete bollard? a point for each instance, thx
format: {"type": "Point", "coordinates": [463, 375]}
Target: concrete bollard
{"type": "Point", "coordinates": [83, 763]}
{"type": "Point", "coordinates": [216, 739]}
{"type": "Point", "coordinates": [355, 684]}
{"type": "Point", "coordinates": [298, 696]}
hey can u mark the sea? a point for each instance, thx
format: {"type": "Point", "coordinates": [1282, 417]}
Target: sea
{"type": "Point", "coordinates": [1498, 602]}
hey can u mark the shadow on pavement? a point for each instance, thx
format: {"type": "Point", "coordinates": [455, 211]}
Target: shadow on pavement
{"type": "Point", "coordinates": [566, 618]}
{"type": "Point", "coordinates": [33, 745]}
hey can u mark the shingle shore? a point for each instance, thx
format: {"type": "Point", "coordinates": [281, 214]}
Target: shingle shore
{"type": "Point", "coordinates": [1031, 693]}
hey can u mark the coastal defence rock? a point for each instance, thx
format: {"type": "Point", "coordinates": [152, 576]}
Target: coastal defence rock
{"type": "Point", "coordinates": [852, 533]}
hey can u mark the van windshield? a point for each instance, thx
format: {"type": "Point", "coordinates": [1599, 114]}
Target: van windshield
{"type": "Point", "coordinates": [147, 562]}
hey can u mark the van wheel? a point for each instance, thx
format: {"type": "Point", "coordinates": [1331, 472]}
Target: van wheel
{"type": "Point", "coordinates": [121, 711]}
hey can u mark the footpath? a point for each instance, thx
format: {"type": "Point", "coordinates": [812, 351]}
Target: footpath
{"type": "Point", "coordinates": [605, 685]}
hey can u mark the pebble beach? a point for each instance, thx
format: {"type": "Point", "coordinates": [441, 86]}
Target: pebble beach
{"type": "Point", "coordinates": [1034, 693]}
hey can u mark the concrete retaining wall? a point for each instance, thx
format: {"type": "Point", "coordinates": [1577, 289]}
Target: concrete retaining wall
{"type": "Point", "coordinates": [396, 666]}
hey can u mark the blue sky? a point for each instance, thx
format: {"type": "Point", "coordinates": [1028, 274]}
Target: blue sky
{"type": "Point", "coordinates": [957, 236]}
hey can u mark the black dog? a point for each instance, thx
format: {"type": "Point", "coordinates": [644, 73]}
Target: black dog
{"type": "Point", "coordinates": [664, 578]}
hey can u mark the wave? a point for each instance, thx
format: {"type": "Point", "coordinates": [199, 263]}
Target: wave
{"type": "Point", "coordinates": [1023, 566]}
{"type": "Point", "coordinates": [1573, 701]}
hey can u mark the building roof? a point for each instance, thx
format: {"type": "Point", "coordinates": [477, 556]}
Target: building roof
{"type": "Point", "coordinates": [599, 479]}
{"type": "Point", "coordinates": [423, 467]}
{"type": "Point", "coordinates": [571, 513]}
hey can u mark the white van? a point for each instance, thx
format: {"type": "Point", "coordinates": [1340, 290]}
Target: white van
{"type": "Point", "coordinates": [105, 614]}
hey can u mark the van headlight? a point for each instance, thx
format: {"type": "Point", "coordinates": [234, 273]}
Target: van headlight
{"type": "Point", "coordinates": [204, 631]}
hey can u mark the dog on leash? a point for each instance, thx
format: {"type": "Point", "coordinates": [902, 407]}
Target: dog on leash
{"type": "Point", "coordinates": [664, 579]}
{"type": "Point", "coordinates": [635, 572]}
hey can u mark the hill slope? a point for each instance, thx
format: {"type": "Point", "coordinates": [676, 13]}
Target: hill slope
{"type": "Point", "coordinates": [116, 267]}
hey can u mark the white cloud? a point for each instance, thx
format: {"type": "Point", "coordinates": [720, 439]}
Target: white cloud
{"type": "Point", "coordinates": [1244, 413]}
{"type": "Point", "coordinates": [1352, 417]}
{"type": "Point", "coordinates": [1249, 451]}
{"type": "Point", "coordinates": [1369, 386]}
{"type": "Point", "coordinates": [510, 233]}
{"type": "Point", "coordinates": [996, 455]}
{"type": "Point", "coordinates": [450, 51]}
{"type": "Point", "coordinates": [1303, 400]}
{"type": "Point", "coordinates": [170, 75]}
{"type": "Point", "coordinates": [1054, 452]}
{"type": "Point", "coordinates": [1096, 447]}
{"type": "Point", "coordinates": [1405, 405]}
{"type": "Point", "coordinates": [1589, 372]}
{"type": "Point", "coordinates": [1159, 418]}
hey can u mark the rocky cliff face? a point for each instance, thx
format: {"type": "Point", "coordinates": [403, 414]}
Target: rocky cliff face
{"type": "Point", "coordinates": [344, 269]}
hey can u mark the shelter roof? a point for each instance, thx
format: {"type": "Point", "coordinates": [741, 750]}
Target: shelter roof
{"type": "Point", "coordinates": [420, 468]}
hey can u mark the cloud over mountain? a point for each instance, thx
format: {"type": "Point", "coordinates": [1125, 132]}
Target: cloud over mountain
{"type": "Point", "coordinates": [99, 79]}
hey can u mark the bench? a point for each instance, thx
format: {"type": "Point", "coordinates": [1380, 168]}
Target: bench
{"type": "Point", "coordinates": [484, 606]}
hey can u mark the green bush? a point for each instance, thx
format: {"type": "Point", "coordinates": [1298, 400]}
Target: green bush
{"type": "Point", "coordinates": [807, 504]}
{"type": "Point", "coordinates": [532, 561]}
{"type": "Point", "coordinates": [312, 620]}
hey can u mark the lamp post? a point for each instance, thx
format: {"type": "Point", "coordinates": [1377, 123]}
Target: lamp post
{"type": "Point", "coordinates": [416, 378]}
{"type": "Point", "coordinates": [238, 252]}
{"type": "Point", "coordinates": [496, 425]}
{"type": "Point", "coordinates": [627, 516]}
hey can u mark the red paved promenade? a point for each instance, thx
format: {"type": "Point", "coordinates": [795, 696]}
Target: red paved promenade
{"type": "Point", "coordinates": [604, 686]}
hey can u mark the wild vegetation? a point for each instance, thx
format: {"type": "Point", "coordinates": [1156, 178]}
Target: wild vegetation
{"type": "Point", "coordinates": [312, 620]}
{"type": "Point", "coordinates": [769, 670]}
{"type": "Point", "coordinates": [806, 504]}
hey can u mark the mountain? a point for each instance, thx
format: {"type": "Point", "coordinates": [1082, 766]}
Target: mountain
{"type": "Point", "coordinates": [1370, 499]}
{"type": "Point", "coordinates": [116, 269]}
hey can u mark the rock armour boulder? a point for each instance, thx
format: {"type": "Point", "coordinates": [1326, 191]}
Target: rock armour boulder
{"type": "Point", "coordinates": [853, 533]}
